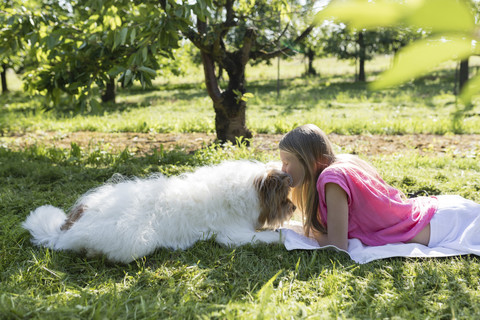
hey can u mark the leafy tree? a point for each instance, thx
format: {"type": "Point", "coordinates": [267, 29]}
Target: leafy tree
{"type": "Point", "coordinates": [362, 45]}
{"type": "Point", "coordinates": [18, 21]}
{"type": "Point", "coordinates": [230, 34]}
{"type": "Point", "coordinates": [344, 43]}
{"type": "Point", "coordinates": [313, 46]}
{"type": "Point", "coordinates": [85, 45]}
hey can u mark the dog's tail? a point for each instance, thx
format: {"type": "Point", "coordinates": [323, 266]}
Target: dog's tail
{"type": "Point", "coordinates": [44, 225]}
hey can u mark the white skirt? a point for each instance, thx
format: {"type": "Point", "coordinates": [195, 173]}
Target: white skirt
{"type": "Point", "coordinates": [456, 225]}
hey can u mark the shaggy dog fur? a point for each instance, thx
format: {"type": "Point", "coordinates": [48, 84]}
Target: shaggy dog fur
{"type": "Point", "coordinates": [129, 219]}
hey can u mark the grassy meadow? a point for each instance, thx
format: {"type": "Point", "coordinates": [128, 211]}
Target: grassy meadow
{"type": "Point", "coordinates": [250, 282]}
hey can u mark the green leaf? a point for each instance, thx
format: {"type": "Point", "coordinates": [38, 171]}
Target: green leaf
{"type": "Point", "coordinates": [362, 14]}
{"type": "Point", "coordinates": [133, 34]}
{"type": "Point", "coordinates": [52, 41]}
{"type": "Point", "coordinates": [246, 96]}
{"type": "Point", "coordinates": [421, 57]}
{"type": "Point", "coordinates": [123, 35]}
{"type": "Point", "coordinates": [118, 21]}
{"type": "Point", "coordinates": [436, 15]}
{"type": "Point", "coordinates": [127, 77]}
{"type": "Point", "coordinates": [116, 40]}
{"type": "Point", "coordinates": [144, 52]}
{"type": "Point", "coordinates": [442, 15]}
{"type": "Point", "coordinates": [147, 70]}
{"type": "Point", "coordinates": [471, 88]}
{"type": "Point", "coordinates": [116, 70]}
{"type": "Point", "coordinates": [120, 38]}
{"type": "Point", "coordinates": [179, 12]}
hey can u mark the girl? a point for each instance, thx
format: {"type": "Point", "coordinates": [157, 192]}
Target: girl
{"type": "Point", "coordinates": [343, 197]}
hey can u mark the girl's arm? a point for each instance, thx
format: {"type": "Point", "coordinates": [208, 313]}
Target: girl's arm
{"type": "Point", "coordinates": [337, 218]}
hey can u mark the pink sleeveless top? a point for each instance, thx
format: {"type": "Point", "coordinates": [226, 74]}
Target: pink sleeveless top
{"type": "Point", "coordinates": [378, 213]}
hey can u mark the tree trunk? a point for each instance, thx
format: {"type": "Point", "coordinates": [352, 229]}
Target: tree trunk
{"type": "Point", "coordinates": [311, 70]}
{"type": "Point", "coordinates": [220, 73]}
{"type": "Point", "coordinates": [230, 109]}
{"type": "Point", "coordinates": [4, 79]}
{"type": "Point", "coordinates": [361, 56]}
{"type": "Point", "coordinates": [361, 70]}
{"type": "Point", "coordinates": [230, 117]}
{"type": "Point", "coordinates": [109, 93]}
{"type": "Point", "coordinates": [463, 74]}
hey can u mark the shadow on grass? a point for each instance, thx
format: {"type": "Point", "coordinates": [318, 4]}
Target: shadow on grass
{"type": "Point", "coordinates": [307, 93]}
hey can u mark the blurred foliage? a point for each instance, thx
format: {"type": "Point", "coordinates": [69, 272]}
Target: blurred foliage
{"type": "Point", "coordinates": [451, 26]}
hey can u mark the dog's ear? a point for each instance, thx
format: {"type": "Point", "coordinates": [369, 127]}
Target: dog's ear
{"type": "Point", "coordinates": [273, 191]}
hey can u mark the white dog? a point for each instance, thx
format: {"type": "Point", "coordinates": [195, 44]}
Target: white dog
{"type": "Point", "coordinates": [127, 220]}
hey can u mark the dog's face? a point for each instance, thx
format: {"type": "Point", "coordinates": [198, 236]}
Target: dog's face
{"type": "Point", "coordinates": [276, 206]}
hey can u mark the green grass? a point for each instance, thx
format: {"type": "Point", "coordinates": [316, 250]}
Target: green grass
{"type": "Point", "coordinates": [208, 280]}
{"type": "Point", "coordinates": [332, 100]}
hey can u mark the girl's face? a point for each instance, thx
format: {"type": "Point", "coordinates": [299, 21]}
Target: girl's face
{"type": "Point", "coordinates": [292, 166]}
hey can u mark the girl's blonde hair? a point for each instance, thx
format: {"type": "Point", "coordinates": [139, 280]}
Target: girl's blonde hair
{"type": "Point", "coordinates": [312, 147]}
{"type": "Point", "coordinates": [315, 152]}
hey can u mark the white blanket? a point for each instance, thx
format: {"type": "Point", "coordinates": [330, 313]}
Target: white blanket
{"type": "Point", "coordinates": [455, 230]}
{"type": "Point", "coordinates": [364, 254]}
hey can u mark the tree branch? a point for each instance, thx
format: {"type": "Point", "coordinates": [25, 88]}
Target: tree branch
{"type": "Point", "coordinates": [195, 38]}
{"type": "Point", "coordinates": [262, 55]}
{"type": "Point", "coordinates": [210, 80]}
{"type": "Point", "coordinates": [209, 68]}
{"type": "Point", "coordinates": [218, 47]}
{"type": "Point", "coordinates": [229, 18]}
{"type": "Point", "coordinates": [248, 41]}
